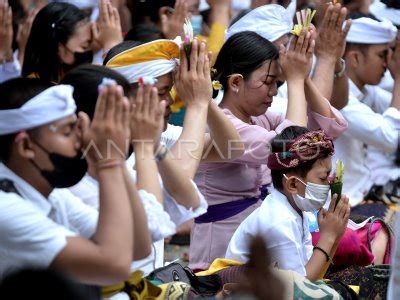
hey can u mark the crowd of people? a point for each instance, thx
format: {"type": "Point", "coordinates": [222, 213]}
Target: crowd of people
{"type": "Point", "coordinates": [268, 135]}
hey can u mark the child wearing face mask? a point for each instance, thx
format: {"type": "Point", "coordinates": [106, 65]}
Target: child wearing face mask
{"type": "Point", "coordinates": [300, 165]}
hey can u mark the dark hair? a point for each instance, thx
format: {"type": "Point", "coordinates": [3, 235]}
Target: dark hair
{"type": "Point", "coordinates": [243, 53]}
{"type": "Point", "coordinates": [85, 79]}
{"type": "Point", "coordinates": [143, 11]}
{"type": "Point", "coordinates": [144, 33]}
{"type": "Point", "coordinates": [53, 25]}
{"type": "Point", "coordinates": [279, 144]}
{"type": "Point", "coordinates": [114, 51]}
{"type": "Point", "coordinates": [44, 284]}
{"type": "Point", "coordinates": [392, 3]}
{"type": "Point", "coordinates": [13, 94]}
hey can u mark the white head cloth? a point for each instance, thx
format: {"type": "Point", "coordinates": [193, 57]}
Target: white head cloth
{"type": "Point", "coordinates": [81, 4]}
{"type": "Point", "coordinates": [271, 21]}
{"type": "Point", "coordinates": [368, 31]}
{"type": "Point", "coordinates": [149, 69]}
{"type": "Point", "coordinates": [51, 105]}
{"type": "Point", "coordinates": [381, 11]}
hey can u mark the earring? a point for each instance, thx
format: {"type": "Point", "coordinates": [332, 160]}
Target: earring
{"type": "Point", "coordinates": [236, 90]}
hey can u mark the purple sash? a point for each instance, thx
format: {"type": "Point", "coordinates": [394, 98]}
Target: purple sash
{"type": "Point", "coordinates": [223, 211]}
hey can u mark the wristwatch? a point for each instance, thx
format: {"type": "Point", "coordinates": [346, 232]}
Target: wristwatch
{"type": "Point", "coordinates": [341, 72]}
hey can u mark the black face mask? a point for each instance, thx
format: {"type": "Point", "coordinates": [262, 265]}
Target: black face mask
{"type": "Point", "coordinates": [67, 172]}
{"type": "Point", "coordinates": [80, 58]}
{"type": "Point", "coordinates": [83, 58]}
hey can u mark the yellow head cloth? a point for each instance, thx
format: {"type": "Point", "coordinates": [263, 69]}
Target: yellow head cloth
{"type": "Point", "coordinates": [152, 59]}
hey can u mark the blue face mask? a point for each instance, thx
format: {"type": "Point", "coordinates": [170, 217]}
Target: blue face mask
{"type": "Point", "coordinates": [197, 23]}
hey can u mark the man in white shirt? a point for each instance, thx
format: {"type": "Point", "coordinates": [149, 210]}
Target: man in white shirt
{"type": "Point", "coordinates": [366, 62]}
{"type": "Point", "coordinates": [41, 151]}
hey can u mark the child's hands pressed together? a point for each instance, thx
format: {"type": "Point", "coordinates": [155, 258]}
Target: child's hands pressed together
{"type": "Point", "coordinates": [333, 223]}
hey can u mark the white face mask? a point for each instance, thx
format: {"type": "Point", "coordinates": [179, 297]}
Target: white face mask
{"type": "Point", "coordinates": [315, 198]}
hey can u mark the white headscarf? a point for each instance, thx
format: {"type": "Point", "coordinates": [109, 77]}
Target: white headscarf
{"type": "Point", "coordinates": [150, 60]}
{"type": "Point", "coordinates": [81, 4]}
{"type": "Point", "coordinates": [51, 105]}
{"type": "Point", "coordinates": [381, 11]}
{"type": "Point", "coordinates": [271, 21]}
{"type": "Point", "coordinates": [368, 31]}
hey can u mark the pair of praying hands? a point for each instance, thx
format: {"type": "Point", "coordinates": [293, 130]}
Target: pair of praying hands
{"type": "Point", "coordinates": [296, 61]}
{"type": "Point", "coordinates": [193, 78]}
{"type": "Point", "coordinates": [107, 31]}
{"type": "Point", "coordinates": [6, 32]}
{"type": "Point", "coordinates": [331, 39]}
{"type": "Point", "coordinates": [119, 121]}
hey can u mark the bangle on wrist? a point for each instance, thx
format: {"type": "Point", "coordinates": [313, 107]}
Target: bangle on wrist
{"type": "Point", "coordinates": [108, 164]}
{"type": "Point", "coordinates": [328, 257]}
{"type": "Point", "coordinates": [341, 72]}
{"type": "Point", "coordinates": [161, 152]}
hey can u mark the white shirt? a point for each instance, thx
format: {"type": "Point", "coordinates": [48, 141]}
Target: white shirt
{"type": "Point", "coordinates": [159, 222]}
{"type": "Point", "coordinates": [366, 129]}
{"type": "Point", "coordinates": [387, 82]}
{"type": "Point", "coordinates": [286, 233]}
{"type": "Point", "coordinates": [33, 229]}
{"type": "Point", "coordinates": [162, 219]}
{"type": "Point", "coordinates": [9, 70]}
{"type": "Point", "coordinates": [171, 135]}
{"type": "Point", "coordinates": [381, 162]}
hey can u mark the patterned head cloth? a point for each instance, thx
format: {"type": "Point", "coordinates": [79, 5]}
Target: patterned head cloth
{"type": "Point", "coordinates": [307, 147]}
{"type": "Point", "coordinates": [150, 60]}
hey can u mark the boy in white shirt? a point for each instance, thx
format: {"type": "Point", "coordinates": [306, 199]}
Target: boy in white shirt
{"type": "Point", "coordinates": [300, 166]}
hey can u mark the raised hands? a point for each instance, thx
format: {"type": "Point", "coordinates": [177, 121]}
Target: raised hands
{"type": "Point", "coordinates": [333, 223]}
{"type": "Point", "coordinates": [296, 61]}
{"type": "Point", "coordinates": [172, 21]}
{"type": "Point", "coordinates": [6, 31]}
{"type": "Point", "coordinates": [147, 117]}
{"type": "Point", "coordinates": [394, 59]}
{"type": "Point", "coordinates": [193, 78]}
{"type": "Point", "coordinates": [331, 41]}
{"type": "Point", "coordinates": [107, 31]}
{"type": "Point", "coordinates": [24, 30]}
{"type": "Point", "coordinates": [106, 137]}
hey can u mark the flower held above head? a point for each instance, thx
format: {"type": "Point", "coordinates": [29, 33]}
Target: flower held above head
{"type": "Point", "coordinates": [304, 19]}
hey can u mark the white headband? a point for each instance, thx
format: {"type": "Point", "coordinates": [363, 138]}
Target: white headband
{"type": "Point", "coordinates": [151, 69]}
{"type": "Point", "coordinates": [51, 105]}
{"type": "Point", "coordinates": [271, 21]}
{"type": "Point", "coordinates": [368, 31]}
{"type": "Point", "coordinates": [81, 4]}
{"type": "Point", "coordinates": [381, 11]}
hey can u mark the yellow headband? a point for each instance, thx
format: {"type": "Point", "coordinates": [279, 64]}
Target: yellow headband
{"type": "Point", "coordinates": [156, 50]}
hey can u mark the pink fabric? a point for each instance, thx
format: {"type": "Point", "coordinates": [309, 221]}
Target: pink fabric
{"type": "Point", "coordinates": [353, 247]}
{"type": "Point", "coordinates": [241, 178]}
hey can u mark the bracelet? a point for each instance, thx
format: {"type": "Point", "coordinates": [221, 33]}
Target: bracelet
{"type": "Point", "coordinates": [328, 258]}
{"type": "Point", "coordinates": [343, 70]}
{"type": "Point", "coordinates": [161, 152]}
{"type": "Point", "coordinates": [109, 163]}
